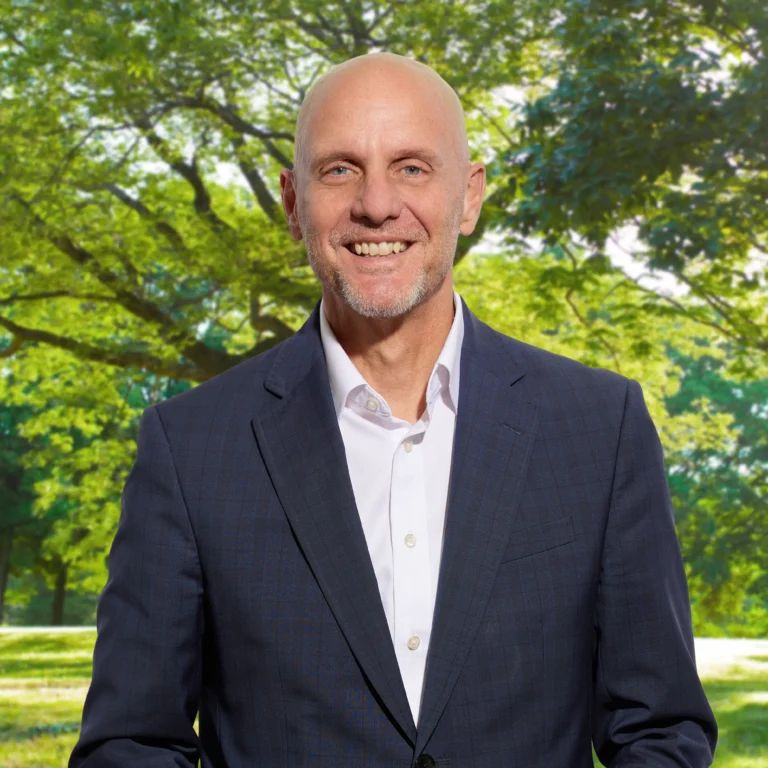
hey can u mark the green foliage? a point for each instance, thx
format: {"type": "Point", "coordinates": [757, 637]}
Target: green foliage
{"type": "Point", "coordinates": [656, 121]}
{"type": "Point", "coordinates": [144, 249]}
{"type": "Point", "coordinates": [714, 429]}
{"type": "Point", "coordinates": [16, 491]}
{"type": "Point", "coordinates": [718, 492]}
{"type": "Point", "coordinates": [29, 604]}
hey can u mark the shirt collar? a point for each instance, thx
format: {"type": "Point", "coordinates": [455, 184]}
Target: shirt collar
{"type": "Point", "coordinates": [344, 377]}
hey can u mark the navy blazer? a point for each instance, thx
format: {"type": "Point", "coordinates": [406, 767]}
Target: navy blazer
{"type": "Point", "coordinates": [240, 583]}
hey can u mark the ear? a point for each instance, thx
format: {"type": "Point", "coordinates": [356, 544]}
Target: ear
{"type": "Point", "coordinates": [288, 195]}
{"type": "Point", "coordinates": [473, 198]}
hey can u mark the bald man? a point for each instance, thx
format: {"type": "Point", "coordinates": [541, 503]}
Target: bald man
{"type": "Point", "coordinates": [398, 539]}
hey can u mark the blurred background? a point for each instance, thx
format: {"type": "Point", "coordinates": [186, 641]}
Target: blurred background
{"type": "Point", "coordinates": [143, 249]}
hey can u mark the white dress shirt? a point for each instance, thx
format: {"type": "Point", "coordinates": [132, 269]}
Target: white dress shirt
{"type": "Point", "coordinates": [400, 476]}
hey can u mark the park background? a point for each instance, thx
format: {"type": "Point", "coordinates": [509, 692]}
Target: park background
{"type": "Point", "coordinates": [143, 250]}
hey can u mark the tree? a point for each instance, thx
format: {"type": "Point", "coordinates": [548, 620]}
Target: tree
{"type": "Point", "coordinates": [562, 302]}
{"type": "Point", "coordinates": [139, 176]}
{"type": "Point", "coordinates": [720, 502]}
{"type": "Point", "coordinates": [21, 530]}
{"type": "Point", "coordinates": [117, 119]}
{"type": "Point", "coordinates": [143, 239]}
{"type": "Point", "coordinates": [15, 495]}
{"type": "Point", "coordinates": [77, 449]}
{"type": "Point", "coordinates": [655, 120]}
{"type": "Point", "coordinates": [144, 245]}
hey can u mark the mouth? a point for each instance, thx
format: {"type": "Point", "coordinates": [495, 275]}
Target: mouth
{"type": "Point", "coordinates": [374, 250]}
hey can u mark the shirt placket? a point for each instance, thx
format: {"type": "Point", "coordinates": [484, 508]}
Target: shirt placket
{"type": "Point", "coordinates": [411, 562]}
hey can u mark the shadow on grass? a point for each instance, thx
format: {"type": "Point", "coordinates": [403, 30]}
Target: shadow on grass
{"type": "Point", "coordinates": [49, 669]}
{"type": "Point", "coordinates": [742, 725]}
{"type": "Point", "coordinates": [11, 645]}
{"type": "Point", "coordinates": [17, 735]}
{"type": "Point", "coordinates": [34, 656]}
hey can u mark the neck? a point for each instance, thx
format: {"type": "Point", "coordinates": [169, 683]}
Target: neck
{"type": "Point", "coordinates": [396, 355]}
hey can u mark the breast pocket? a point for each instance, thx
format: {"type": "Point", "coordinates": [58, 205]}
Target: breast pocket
{"type": "Point", "coordinates": [538, 538]}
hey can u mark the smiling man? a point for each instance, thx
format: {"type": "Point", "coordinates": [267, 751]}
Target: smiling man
{"type": "Point", "coordinates": [398, 538]}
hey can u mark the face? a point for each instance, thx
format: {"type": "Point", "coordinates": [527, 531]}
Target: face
{"type": "Point", "coordinates": [382, 191]}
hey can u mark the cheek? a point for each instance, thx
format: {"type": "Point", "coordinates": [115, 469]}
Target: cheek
{"type": "Point", "coordinates": [436, 215]}
{"type": "Point", "coordinates": [325, 212]}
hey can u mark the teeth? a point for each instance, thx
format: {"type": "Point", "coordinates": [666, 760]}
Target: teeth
{"type": "Point", "coordinates": [378, 249]}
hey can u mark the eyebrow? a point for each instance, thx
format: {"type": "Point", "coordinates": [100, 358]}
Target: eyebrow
{"type": "Point", "coordinates": [422, 153]}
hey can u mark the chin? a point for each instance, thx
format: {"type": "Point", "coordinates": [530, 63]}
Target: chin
{"type": "Point", "coordinates": [392, 304]}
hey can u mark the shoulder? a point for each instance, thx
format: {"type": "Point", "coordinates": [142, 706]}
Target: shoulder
{"type": "Point", "coordinates": [235, 392]}
{"type": "Point", "coordinates": [550, 371]}
{"type": "Point", "coordinates": [570, 396]}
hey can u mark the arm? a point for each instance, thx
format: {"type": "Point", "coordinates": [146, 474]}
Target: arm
{"type": "Point", "coordinates": [143, 697]}
{"type": "Point", "coordinates": [649, 708]}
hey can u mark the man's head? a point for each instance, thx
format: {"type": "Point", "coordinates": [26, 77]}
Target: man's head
{"type": "Point", "coordinates": [382, 156]}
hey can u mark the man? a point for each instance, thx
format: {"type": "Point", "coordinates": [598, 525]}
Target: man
{"type": "Point", "coordinates": [398, 538]}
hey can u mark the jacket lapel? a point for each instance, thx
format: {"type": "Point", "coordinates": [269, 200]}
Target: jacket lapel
{"type": "Point", "coordinates": [495, 430]}
{"type": "Point", "coordinates": [303, 451]}
{"type": "Point", "coordinates": [301, 444]}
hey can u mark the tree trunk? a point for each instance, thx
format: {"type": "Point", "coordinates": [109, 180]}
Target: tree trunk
{"type": "Point", "coordinates": [6, 543]}
{"type": "Point", "coordinates": [59, 593]}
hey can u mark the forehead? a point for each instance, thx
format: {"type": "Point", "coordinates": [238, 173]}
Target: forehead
{"type": "Point", "coordinates": [386, 115]}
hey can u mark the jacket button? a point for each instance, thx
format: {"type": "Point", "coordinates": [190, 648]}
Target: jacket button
{"type": "Point", "coordinates": [425, 761]}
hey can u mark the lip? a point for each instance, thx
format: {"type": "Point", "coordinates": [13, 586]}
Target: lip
{"type": "Point", "coordinates": [379, 239]}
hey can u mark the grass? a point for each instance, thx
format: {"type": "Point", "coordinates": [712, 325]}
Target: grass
{"type": "Point", "coordinates": [44, 677]}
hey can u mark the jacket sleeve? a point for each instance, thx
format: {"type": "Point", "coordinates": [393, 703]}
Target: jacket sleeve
{"type": "Point", "coordinates": [649, 708]}
{"type": "Point", "coordinates": [144, 693]}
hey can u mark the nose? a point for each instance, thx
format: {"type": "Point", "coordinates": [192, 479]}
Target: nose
{"type": "Point", "coordinates": [377, 198]}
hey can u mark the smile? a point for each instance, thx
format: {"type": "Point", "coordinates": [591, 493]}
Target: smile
{"type": "Point", "coordinates": [378, 249]}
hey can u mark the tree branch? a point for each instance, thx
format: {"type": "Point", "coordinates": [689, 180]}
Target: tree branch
{"type": "Point", "coordinates": [121, 358]}
{"type": "Point", "coordinates": [270, 323]}
{"type": "Point", "coordinates": [55, 295]}
{"type": "Point", "coordinates": [188, 171]}
{"type": "Point", "coordinates": [165, 229]}
{"type": "Point", "coordinates": [12, 37]}
{"type": "Point", "coordinates": [687, 312]}
{"type": "Point", "coordinates": [227, 115]}
{"type": "Point", "coordinates": [212, 360]}
{"type": "Point", "coordinates": [17, 342]}
{"type": "Point", "coordinates": [588, 326]}
{"type": "Point", "coordinates": [493, 122]}
{"type": "Point", "coordinates": [719, 304]}
{"type": "Point", "coordinates": [379, 17]}
{"type": "Point", "coordinates": [255, 182]}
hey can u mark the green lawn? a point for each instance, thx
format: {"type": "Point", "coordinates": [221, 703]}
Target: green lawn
{"type": "Point", "coordinates": [44, 677]}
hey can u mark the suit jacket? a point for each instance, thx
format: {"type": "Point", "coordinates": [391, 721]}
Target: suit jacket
{"type": "Point", "coordinates": [240, 583]}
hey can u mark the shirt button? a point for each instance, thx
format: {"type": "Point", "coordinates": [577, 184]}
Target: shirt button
{"type": "Point", "coordinates": [410, 540]}
{"type": "Point", "coordinates": [408, 445]}
{"type": "Point", "coordinates": [372, 404]}
{"type": "Point", "coordinates": [413, 642]}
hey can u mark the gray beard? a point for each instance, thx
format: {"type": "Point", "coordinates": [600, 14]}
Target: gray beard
{"type": "Point", "coordinates": [425, 286]}
{"type": "Point", "coordinates": [419, 292]}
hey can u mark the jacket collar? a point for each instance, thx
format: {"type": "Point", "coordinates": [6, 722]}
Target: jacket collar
{"type": "Point", "coordinates": [498, 354]}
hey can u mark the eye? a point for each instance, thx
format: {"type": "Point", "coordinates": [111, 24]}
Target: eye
{"type": "Point", "coordinates": [408, 168]}
{"type": "Point", "coordinates": [332, 171]}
